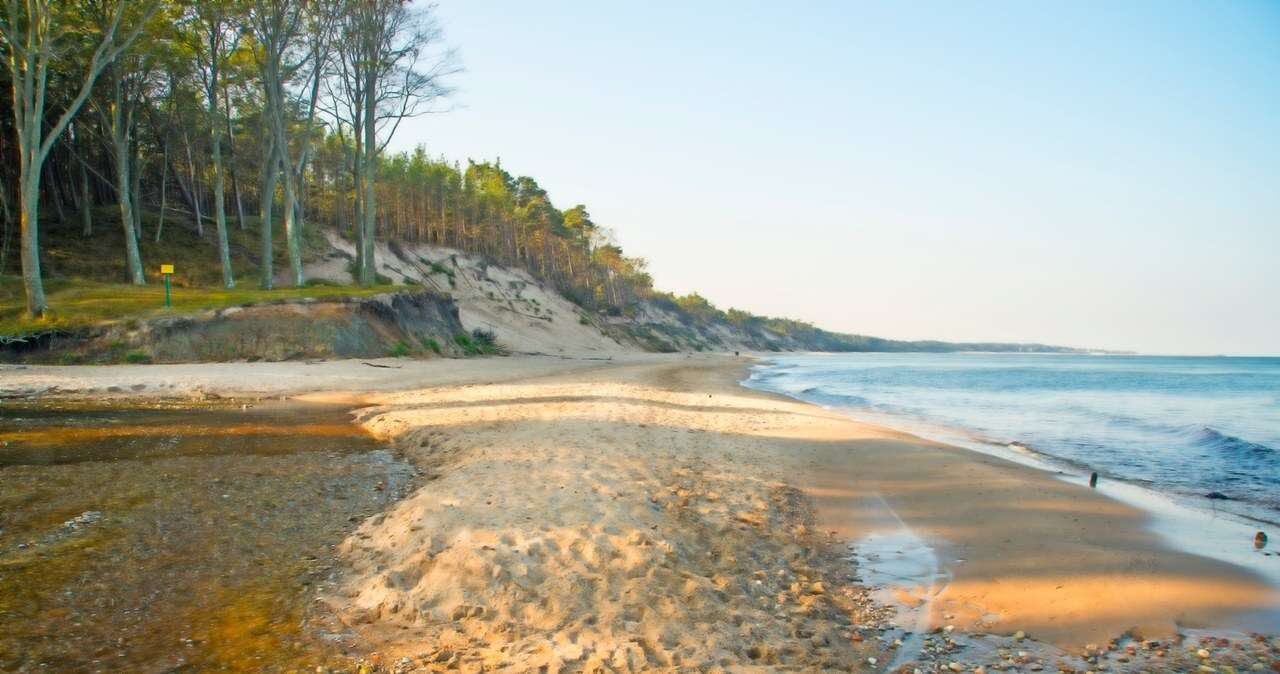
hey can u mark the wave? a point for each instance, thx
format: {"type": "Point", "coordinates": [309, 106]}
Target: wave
{"type": "Point", "coordinates": [818, 395]}
{"type": "Point", "coordinates": [1206, 437]}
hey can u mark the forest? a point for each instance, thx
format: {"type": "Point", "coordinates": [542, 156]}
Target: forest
{"type": "Point", "coordinates": [234, 131]}
{"type": "Point", "coordinates": [265, 119]}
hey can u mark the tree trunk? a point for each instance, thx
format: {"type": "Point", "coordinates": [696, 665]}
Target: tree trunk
{"type": "Point", "coordinates": [86, 201]}
{"type": "Point", "coordinates": [55, 194]}
{"type": "Point", "coordinates": [219, 190]}
{"type": "Point", "coordinates": [194, 194]}
{"type": "Point", "coordinates": [120, 145]}
{"type": "Point", "coordinates": [135, 192]}
{"type": "Point", "coordinates": [292, 228]}
{"type": "Point", "coordinates": [29, 216]}
{"type": "Point", "coordinates": [368, 272]}
{"type": "Point", "coordinates": [164, 192]}
{"type": "Point", "coordinates": [269, 174]}
{"type": "Point", "coordinates": [6, 212]}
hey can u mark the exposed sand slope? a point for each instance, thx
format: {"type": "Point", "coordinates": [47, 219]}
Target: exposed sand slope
{"type": "Point", "coordinates": [622, 515]}
{"type": "Point", "coordinates": [526, 316]}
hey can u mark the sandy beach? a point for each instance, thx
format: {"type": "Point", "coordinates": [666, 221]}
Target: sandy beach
{"type": "Point", "coordinates": [648, 512]}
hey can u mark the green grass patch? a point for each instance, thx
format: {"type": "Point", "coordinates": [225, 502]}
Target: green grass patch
{"type": "Point", "coordinates": [77, 303]}
{"type": "Point", "coordinates": [400, 350]}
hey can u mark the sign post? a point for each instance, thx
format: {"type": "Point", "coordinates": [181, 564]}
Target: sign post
{"type": "Point", "coordinates": [167, 270]}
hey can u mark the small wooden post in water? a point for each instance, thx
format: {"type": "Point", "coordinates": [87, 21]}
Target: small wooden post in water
{"type": "Point", "coordinates": [1093, 481]}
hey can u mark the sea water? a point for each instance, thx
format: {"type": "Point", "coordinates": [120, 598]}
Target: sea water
{"type": "Point", "coordinates": [1204, 431]}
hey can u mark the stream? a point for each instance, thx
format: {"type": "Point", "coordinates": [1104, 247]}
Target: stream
{"type": "Point", "coordinates": [170, 538]}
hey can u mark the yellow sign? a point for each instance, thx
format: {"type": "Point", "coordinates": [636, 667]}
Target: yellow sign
{"type": "Point", "coordinates": [166, 269]}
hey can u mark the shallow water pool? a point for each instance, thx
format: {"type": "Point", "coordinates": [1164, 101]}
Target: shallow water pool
{"type": "Point", "coordinates": [171, 538]}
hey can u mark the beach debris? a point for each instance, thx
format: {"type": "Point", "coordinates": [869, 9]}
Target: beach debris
{"type": "Point", "coordinates": [1260, 540]}
{"type": "Point", "coordinates": [1217, 496]}
{"type": "Point", "coordinates": [83, 519]}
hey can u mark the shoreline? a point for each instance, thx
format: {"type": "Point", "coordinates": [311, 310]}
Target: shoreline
{"type": "Point", "coordinates": [671, 454]}
{"type": "Point", "coordinates": [1183, 524]}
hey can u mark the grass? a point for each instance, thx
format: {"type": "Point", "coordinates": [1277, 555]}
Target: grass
{"type": "Point", "coordinates": [84, 277]}
{"type": "Point", "coordinates": [478, 343]}
{"type": "Point", "coordinates": [77, 303]}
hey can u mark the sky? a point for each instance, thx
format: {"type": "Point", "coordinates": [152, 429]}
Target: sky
{"type": "Point", "coordinates": [1093, 174]}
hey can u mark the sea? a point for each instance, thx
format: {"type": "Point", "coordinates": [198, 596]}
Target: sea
{"type": "Point", "coordinates": [1201, 431]}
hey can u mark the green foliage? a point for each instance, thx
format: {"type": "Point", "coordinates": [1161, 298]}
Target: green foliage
{"type": "Point", "coordinates": [464, 342]}
{"type": "Point", "coordinates": [137, 357]}
{"type": "Point", "coordinates": [79, 303]}
{"type": "Point", "coordinates": [478, 343]}
{"type": "Point", "coordinates": [583, 320]}
{"type": "Point", "coordinates": [400, 350]}
{"type": "Point", "coordinates": [430, 344]}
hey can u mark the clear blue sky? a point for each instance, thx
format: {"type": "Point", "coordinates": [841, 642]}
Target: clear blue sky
{"type": "Point", "coordinates": [1094, 174]}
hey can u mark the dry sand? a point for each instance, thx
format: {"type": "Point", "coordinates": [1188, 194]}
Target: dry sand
{"type": "Point", "coordinates": [646, 515]}
{"type": "Point", "coordinates": [648, 512]}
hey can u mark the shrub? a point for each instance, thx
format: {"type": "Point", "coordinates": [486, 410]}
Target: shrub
{"type": "Point", "coordinates": [463, 340]}
{"type": "Point", "coordinates": [478, 343]}
{"type": "Point", "coordinates": [582, 318]}
{"type": "Point", "coordinates": [431, 344]}
{"type": "Point", "coordinates": [136, 357]}
{"type": "Point", "coordinates": [400, 350]}
{"type": "Point", "coordinates": [318, 282]}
